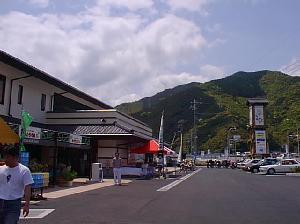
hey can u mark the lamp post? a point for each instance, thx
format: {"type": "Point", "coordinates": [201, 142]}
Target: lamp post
{"type": "Point", "coordinates": [297, 136]}
{"type": "Point", "coordinates": [298, 141]}
{"type": "Point", "coordinates": [228, 141]}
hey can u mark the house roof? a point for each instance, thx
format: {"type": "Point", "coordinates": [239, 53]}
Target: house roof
{"type": "Point", "coordinates": [108, 129]}
{"type": "Point", "coordinates": [37, 73]}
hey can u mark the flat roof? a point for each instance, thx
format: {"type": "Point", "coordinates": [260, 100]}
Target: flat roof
{"type": "Point", "coordinates": [37, 73]}
{"type": "Point", "coordinates": [251, 101]}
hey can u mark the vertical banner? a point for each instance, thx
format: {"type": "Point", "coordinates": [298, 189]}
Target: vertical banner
{"type": "Point", "coordinates": [161, 156]}
{"type": "Point", "coordinates": [259, 115]}
{"type": "Point", "coordinates": [161, 133]}
{"type": "Point", "coordinates": [250, 115]}
{"type": "Point", "coordinates": [261, 142]}
{"type": "Point", "coordinates": [179, 159]}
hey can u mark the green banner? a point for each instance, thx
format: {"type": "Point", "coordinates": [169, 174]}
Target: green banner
{"type": "Point", "coordinates": [25, 123]}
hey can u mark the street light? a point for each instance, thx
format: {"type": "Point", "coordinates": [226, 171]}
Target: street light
{"type": "Point", "coordinates": [228, 143]}
{"type": "Point", "coordinates": [297, 135]}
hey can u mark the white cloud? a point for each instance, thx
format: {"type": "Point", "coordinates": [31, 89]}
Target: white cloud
{"type": "Point", "coordinates": [190, 5]}
{"type": "Point", "coordinates": [39, 3]}
{"type": "Point", "coordinates": [114, 58]}
{"type": "Point", "coordinates": [210, 72]}
{"type": "Point", "coordinates": [292, 68]}
{"type": "Point", "coordinates": [132, 5]}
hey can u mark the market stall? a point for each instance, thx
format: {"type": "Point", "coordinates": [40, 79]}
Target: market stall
{"type": "Point", "coordinates": [8, 136]}
{"type": "Point", "coordinates": [151, 148]}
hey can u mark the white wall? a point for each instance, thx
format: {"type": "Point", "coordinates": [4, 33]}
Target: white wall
{"type": "Point", "coordinates": [108, 148]}
{"type": "Point", "coordinates": [32, 93]}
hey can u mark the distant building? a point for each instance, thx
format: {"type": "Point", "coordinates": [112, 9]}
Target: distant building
{"type": "Point", "coordinates": [70, 126]}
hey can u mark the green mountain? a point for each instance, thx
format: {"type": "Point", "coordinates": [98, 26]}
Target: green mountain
{"type": "Point", "coordinates": [222, 104]}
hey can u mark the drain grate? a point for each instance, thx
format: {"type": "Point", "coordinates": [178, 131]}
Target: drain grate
{"type": "Point", "coordinates": [37, 213]}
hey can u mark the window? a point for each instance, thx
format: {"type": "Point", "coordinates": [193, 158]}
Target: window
{"type": "Point", "coordinates": [43, 102]}
{"type": "Point", "coordinates": [20, 94]}
{"type": "Point", "coordinates": [2, 88]}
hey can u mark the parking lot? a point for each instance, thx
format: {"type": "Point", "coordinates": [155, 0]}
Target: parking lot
{"type": "Point", "coordinates": [209, 196]}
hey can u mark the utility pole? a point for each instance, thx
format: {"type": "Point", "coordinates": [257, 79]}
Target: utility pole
{"type": "Point", "coordinates": [193, 130]}
{"type": "Point", "coordinates": [298, 140]}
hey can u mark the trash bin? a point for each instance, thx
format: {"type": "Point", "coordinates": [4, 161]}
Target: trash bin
{"type": "Point", "coordinates": [97, 172]}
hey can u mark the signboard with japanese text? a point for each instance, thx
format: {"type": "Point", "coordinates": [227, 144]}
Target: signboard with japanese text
{"type": "Point", "coordinates": [75, 139]}
{"type": "Point", "coordinates": [259, 115]}
{"type": "Point", "coordinates": [261, 142]}
{"type": "Point", "coordinates": [32, 132]}
{"type": "Point", "coordinates": [237, 138]}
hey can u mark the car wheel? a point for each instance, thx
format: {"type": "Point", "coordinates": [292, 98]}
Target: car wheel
{"type": "Point", "coordinates": [271, 171]}
{"type": "Point", "coordinates": [255, 170]}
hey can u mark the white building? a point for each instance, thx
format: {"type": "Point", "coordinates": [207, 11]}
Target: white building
{"type": "Point", "coordinates": [69, 125]}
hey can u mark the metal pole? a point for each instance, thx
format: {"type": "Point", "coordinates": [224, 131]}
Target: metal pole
{"type": "Point", "coordinates": [298, 140]}
{"type": "Point", "coordinates": [235, 149]}
{"type": "Point", "coordinates": [194, 131]}
{"type": "Point", "coordinates": [288, 143]}
{"type": "Point", "coordinates": [191, 141]}
{"type": "Point", "coordinates": [228, 144]}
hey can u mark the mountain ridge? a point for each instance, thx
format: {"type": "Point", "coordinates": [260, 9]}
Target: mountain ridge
{"type": "Point", "coordinates": [223, 104]}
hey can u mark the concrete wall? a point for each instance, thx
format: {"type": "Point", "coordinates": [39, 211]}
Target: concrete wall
{"type": "Point", "coordinates": [107, 149]}
{"type": "Point", "coordinates": [33, 89]}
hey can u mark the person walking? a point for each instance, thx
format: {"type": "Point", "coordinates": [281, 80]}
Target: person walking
{"type": "Point", "coordinates": [117, 165]}
{"type": "Point", "coordinates": [15, 182]}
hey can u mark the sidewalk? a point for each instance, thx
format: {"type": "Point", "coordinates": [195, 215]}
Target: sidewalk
{"type": "Point", "coordinates": [58, 192]}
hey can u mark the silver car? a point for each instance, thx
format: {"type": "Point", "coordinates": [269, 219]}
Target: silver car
{"type": "Point", "coordinates": [283, 166]}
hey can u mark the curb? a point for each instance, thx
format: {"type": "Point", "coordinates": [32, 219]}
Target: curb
{"type": "Point", "coordinates": [293, 174]}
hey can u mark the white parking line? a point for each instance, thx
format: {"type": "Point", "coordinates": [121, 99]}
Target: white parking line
{"type": "Point", "coordinates": [176, 182]}
{"type": "Point", "coordinates": [37, 213]}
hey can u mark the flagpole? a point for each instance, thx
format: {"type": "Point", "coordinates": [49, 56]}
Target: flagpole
{"type": "Point", "coordinates": [161, 144]}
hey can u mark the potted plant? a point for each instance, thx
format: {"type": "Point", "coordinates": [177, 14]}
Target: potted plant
{"type": "Point", "coordinates": [69, 176]}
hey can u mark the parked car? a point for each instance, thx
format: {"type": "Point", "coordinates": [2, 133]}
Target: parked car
{"type": "Point", "coordinates": [283, 166]}
{"type": "Point", "coordinates": [242, 163]}
{"type": "Point", "coordinates": [248, 164]}
{"type": "Point", "coordinates": [254, 168]}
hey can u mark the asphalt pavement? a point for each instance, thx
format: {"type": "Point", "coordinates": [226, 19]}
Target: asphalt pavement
{"type": "Point", "coordinates": [210, 196]}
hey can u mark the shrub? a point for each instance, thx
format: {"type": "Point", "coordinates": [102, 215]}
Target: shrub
{"type": "Point", "coordinates": [69, 175]}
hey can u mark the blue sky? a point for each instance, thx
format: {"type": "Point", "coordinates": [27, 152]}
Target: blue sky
{"type": "Point", "coordinates": [114, 49]}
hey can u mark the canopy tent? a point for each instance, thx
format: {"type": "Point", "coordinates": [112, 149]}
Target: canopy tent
{"type": "Point", "coordinates": [151, 147]}
{"type": "Point", "coordinates": [7, 135]}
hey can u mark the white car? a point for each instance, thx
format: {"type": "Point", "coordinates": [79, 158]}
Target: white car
{"type": "Point", "coordinates": [242, 163]}
{"type": "Point", "coordinates": [283, 166]}
{"type": "Point", "coordinates": [251, 163]}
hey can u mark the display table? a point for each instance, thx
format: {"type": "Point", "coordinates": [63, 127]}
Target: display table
{"type": "Point", "coordinates": [132, 171]}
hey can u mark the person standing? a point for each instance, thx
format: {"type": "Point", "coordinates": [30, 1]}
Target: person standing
{"type": "Point", "coordinates": [117, 165]}
{"type": "Point", "coordinates": [15, 182]}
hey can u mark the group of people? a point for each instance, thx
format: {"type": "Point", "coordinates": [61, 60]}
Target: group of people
{"type": "Point", "coordinates": [15, 182]}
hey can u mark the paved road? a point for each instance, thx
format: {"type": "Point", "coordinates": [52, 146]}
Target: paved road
{"type": "Point", "coordinates": [210, 196]}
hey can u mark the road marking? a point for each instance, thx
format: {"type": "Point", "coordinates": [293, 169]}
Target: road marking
{"type": "Point", "coordinates": [176, 182]}
{"type": "Point", "coordinates": [37, 213]}
{"type": "Point", "coordinates": [275, 175]}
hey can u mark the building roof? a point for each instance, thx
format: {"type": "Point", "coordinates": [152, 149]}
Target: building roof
{"type": "Point", "coordinates": [37, 73]}
{"type": "Point", "coordinates": [107, 129]}
{"type": "Point", "coordinates": [257, 101]}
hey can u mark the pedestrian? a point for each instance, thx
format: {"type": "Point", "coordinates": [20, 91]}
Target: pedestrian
{"type": "Point", "coordinates": [15, 182]}
{"type": "Point", "coordinates": [117, 164]}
